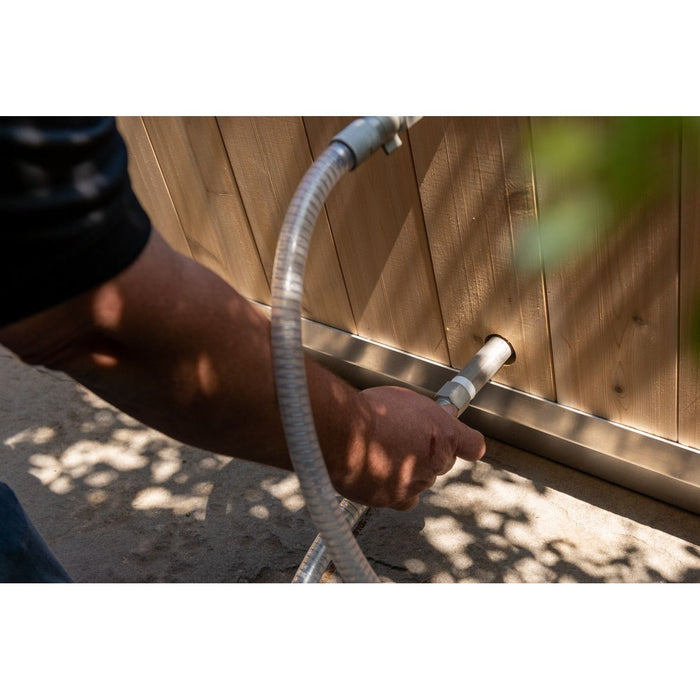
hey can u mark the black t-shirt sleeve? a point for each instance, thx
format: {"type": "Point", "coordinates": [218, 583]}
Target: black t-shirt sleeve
{"type": "Point", "coordinates": [69, 219]}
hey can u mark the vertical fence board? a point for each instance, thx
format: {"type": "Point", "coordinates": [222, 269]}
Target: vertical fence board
{"type": "Point", "coordinates": [614, 315]}
{"type": "Point", "coordinates": [235, 239]}
{"type": "Point", "coordinates": [416, 251]}
{"type": "Point", "coordinates": [376, 220]}
{"type": "Point", "coordinates": [689, 360]}
{"type": "Point", "coordinates": [149, 185]}
{"type": "Point", "coordinates": [475, 182]}
{"type": "Point", "coordinates": [194, 164]}
{"type": "Point", "coordinates": [269, 156]}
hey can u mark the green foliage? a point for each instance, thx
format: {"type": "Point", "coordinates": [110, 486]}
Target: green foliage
{"type": "Point", "coordinates": [591, 173]}
{"type": "Point", "coordinates": [592, 176]}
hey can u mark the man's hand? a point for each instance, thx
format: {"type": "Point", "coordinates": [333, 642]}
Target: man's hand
{"type": "Point", "coordinates": [405, 443]}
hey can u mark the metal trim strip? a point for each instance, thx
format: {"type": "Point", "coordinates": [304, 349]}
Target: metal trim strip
{"type": "Point", "coordinates": [653, 466]}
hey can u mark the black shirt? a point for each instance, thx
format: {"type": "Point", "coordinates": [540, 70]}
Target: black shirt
{"type": "Point", "coordinates": [69, 219]}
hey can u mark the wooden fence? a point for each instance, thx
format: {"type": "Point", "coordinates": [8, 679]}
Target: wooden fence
{"type": "Point", "coordinates": [417, 251]}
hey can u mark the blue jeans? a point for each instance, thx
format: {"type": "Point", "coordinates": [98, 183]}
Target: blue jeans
{"type": "Point", "coordinates": [24, 556]}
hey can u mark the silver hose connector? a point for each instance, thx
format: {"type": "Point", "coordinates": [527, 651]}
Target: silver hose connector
{"type": "Point", "coordinates": [463, 387]}
{"type": "Point", "coordinates": [366, 135]}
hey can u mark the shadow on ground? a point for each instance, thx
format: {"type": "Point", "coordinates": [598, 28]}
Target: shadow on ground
{"type": "Point", "coordinates": [119, 502]}
{"type": "Point", "coordinates": [518, 518]}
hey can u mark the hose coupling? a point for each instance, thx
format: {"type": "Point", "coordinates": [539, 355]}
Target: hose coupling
{"type": "Point", "coordinates": [366, 135]}
{"type": "Point", "coordinates": [463, 387]}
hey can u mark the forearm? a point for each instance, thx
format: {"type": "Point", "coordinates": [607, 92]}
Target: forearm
{"type": "Point", "coordinates": [174, 346]}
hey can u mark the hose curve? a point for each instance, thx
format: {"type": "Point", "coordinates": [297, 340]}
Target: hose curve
{"type": "Point", "coordinates": [289, 368]}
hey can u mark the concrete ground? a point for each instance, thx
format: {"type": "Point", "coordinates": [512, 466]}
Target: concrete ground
{"type": "Point", "coordinates": [119, 502]}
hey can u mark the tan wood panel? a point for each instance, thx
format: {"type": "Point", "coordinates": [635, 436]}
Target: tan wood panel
{"type": "Point", "coordinates": [193, 160]}
{"type": "Point", "coordinates": [689, 360]}
{"type": "Point", "coordinates": [149, 185]}
{"type": "Point", "coordinates": [377, 223]}
{"type": "Point", "coordinates": [614, 314]}
{"type": "Point", "coordinates": [269, 156]}
{"type": "Point", "coordinates": [475, 181]}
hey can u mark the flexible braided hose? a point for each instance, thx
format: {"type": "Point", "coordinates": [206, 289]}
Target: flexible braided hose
{"type": "Point", "coordinates": [290, 373]}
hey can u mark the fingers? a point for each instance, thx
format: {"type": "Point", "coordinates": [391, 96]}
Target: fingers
{"type": "Point", "coordinates": [408, 504]}
{"type": "Point", "coordinates": [412, 498]}
{"type": "Point", "coordinates": [446, 466]}
{"type": "Point", "coordinates": [470, 443]}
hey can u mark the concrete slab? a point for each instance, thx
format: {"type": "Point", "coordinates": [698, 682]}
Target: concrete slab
{"type": "Point", "coordinates": [119, 502]}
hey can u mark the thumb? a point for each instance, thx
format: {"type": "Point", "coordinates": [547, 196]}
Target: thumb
{"type": "Point", "coordinates": [471, 445]}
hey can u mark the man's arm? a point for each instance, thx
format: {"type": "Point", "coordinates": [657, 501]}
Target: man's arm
{"type": "Point", "coordinates": [170, 343]}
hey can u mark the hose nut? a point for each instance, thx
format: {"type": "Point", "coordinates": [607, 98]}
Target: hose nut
{"type": "Point", "coordinates": [366, 135]}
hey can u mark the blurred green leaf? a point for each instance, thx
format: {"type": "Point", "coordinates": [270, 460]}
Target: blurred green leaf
{"type": "Point", "coordinates": [569, 226]}
{"type": "Point", "coordinates": [591, 174]}
{"type": "Point", "coordinates": [570, 148]}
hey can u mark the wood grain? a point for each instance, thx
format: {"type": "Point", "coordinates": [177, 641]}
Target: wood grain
{"type": "Point", "coordinates": [269, 157]}
{"type": "Point", "coordinates": [689, 350]}
{"type": "Point", "coordinates": [149, 185]}
{"type": "Point", "coordinates": [193, 160]}
{"type": "Point", "coordinates": [377, 223]}
{"type": "Point", "coordinates": [475, 180]}
{"type": "Point", "coordinates": [613, 311]}
{"type": "Point", "coordinates": [417, 250]}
